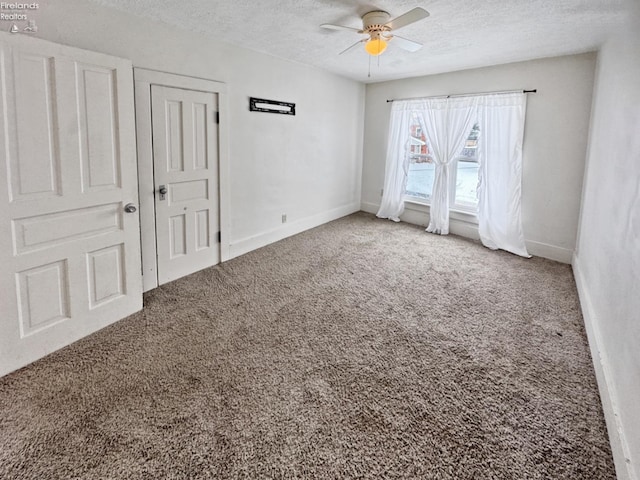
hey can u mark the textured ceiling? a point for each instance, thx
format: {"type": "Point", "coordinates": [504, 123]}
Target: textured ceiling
{"type": "Point", "coordinates": [459, 34]}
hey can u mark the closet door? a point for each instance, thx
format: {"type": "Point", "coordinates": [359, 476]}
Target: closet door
{"type": "Point", "coordinates": [185, 158]}
{"type": "Point", "coordinates": [69, 229]}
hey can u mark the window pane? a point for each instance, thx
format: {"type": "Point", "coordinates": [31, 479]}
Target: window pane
{"type": "Point", "coordinates": [421, 168]}
{"type": "Point", "coordinates": [471, 144]}
{"type": "Point", "coordinates": [467, 183]}
{"type": "Point", "coordinates": [420, 179]}
{"type": "Point", "coordinates": [467, 172]}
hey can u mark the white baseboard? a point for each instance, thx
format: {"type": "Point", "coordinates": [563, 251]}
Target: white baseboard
{"type": "Point", "coordinates": [418, 215]}
{"type": "Point", "coordinates": [457, 226]}
{"type": "Point", "coordinates": [552, 252]}
{"type": "Point", "coordinates": [369, 207]}
{"type": "Point", "coordinates": [245, 245]}
{"type": "Point", "coordinates": [619, 447]}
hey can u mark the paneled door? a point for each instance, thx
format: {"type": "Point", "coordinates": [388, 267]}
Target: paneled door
{"type": "Point", "coordinates": [185, 160]}
{"type": "Point", "coordinates": [69, 229]}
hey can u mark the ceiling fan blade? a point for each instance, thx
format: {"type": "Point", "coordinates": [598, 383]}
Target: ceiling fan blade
{"type": "Point", "coordinates": [406, 44]}
{"type": "Point", "coordinates": [407, 18]}
{"type": "Point", "coordinates": [352, 46]}
{"type": "Point", "coordinates": [329, 26]}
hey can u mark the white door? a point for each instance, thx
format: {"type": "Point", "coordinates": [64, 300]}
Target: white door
{"type": "Point", "coordinates": [70, 252]}
{"type": "Point", "coordinates": [185, 160]}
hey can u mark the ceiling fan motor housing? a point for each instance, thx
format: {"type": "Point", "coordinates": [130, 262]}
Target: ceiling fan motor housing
{"type": "Point", "coordinates": [373, 22]}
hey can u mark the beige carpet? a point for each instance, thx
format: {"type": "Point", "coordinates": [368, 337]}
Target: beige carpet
{"type": "Point", "coordinates": [359, 349]}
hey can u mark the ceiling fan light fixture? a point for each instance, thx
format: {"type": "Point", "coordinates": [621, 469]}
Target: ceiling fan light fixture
{"type": "Point", "coordinates": [375, 46]}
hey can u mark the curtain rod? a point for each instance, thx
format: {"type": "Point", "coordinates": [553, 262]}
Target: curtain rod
{"type": "Point", "coordinates": [465, 95]}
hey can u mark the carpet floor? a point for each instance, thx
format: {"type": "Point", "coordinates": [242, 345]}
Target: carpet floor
{"type": "Point", "coordinates": [359, 349]}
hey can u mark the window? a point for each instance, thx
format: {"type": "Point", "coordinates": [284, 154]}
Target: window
{"type": "Point", "coordinates": [464, 170]}
{"type": "Point", "coordinates": [412, 171]}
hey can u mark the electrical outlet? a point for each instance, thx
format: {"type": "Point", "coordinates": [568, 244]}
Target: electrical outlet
{"type": "Point", "coordinates": [284, 218]}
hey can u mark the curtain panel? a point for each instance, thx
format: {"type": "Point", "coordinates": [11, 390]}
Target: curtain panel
{"type": "Point", "coordinates": [501, 119]}
{"type": "Point", "coordinates": [447, 122]}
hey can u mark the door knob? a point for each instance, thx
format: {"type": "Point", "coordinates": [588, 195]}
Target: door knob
{"type": "Point", "coordinates": [130, 208]}
{"type": "Point", "coordinates": [162, 190]}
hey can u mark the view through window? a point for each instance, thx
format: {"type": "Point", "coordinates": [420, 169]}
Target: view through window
{"type": "Point", "coordinates": [421, 167]}
{"type": "Point", "coordinates": [466, 173]}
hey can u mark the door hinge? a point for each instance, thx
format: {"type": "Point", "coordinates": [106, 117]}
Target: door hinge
{"type": "Point", "coordinates": [219, 237]}
{"type": "Point", "coordinates": [217, 117]}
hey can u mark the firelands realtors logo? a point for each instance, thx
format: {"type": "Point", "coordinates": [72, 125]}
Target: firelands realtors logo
{"type": "Point", "coordinates": [16, 15]}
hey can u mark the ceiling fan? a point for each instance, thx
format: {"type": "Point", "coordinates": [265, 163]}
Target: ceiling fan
{"type": "Point", "coordinates": [378, 26]}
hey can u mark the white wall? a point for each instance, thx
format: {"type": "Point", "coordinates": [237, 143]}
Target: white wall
{"type": "Point", "coordinates": [555, 142]}
{"type": "Point", "coordinates": [306, 166]}
{"type": "Point", "coordinates": [607, 261]}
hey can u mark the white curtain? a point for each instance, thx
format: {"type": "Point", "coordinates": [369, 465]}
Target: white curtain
{"type": "Point", "coordinates": [501, 121]}
{"type": "Point", "coordinates": [397, 166]}
{"type": "Point", "coordinates": [447, 123]}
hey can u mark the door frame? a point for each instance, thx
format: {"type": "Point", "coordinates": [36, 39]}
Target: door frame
{"type": "Point", "coordinates": [143, 79]}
